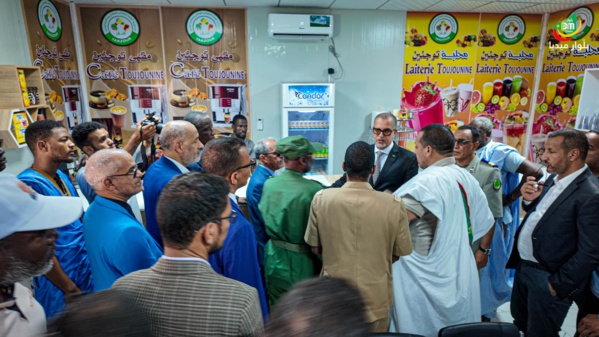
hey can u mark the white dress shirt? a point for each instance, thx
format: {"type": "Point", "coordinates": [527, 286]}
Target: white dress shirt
{"type": "Point", "coordinates": [525, 240]}
{"type": "Point", "coordinates": [384, 154]}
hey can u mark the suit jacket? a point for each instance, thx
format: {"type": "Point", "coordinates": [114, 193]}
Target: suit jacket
{"type": "Point", "coordinates": [238, 258]}
{"type": "Point", "coordinates": [401, 165]}
{"type": "Point", "coordinates": [187, 298]}
{"type": "Point", "coordinates": [158, 175]}
{"type": "Point", "coordinates": [566, 239]}
{"type": "Point", "coordinates": [118, 246]}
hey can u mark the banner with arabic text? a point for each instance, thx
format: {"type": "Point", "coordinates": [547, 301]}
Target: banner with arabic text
{"type": "Point", "coordinates": [124, 69]}
{"type": "Point", "coordinates": [508, 47]}
{"type": "Point", "coordinates": [206, 58]}
{"type": "Point", "coordinates": [572, 46]}
{"type": "Point", "coordinates": [52, 48]}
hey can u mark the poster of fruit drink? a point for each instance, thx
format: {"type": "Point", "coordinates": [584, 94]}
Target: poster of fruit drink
{"type": "Point", "coordinates": [439, 65]}
{"type": "Point", "coordinates": [206, 61]}
{"type": "Point", "coordinates": [572, 46]}
{"type": "Point", "coordinates": [124, 69]}
{"type": "Point", "coordinates": [52, 48]}
{"type": "Point", "coordinates": [508, 47]}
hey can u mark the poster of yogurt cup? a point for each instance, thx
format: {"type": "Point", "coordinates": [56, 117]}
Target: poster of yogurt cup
{"type": "Point", "coordinates": [567, 55]}
{"type": "Point", "coordinates": [439, 58]}
{"type": "Point", "coordinates": [508, 46]}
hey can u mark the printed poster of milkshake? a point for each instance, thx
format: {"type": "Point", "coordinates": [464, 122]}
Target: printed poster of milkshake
{"type": "Point", "coordinates": [439, 68]}
{"type": "Point", "coordinates": [508, 46]}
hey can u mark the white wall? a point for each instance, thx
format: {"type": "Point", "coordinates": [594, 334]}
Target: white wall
{"type": "Point", "coordinates": [15, 50]}
{"type": "Point", "coordinates": [370, 44]}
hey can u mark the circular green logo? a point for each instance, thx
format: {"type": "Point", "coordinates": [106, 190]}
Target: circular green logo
{"type": "Point", "coordinates": [204, 27]}
{"type": "Point", "coordinates": [120, 27]}
{"type": "Point", "coordinates": [583, 19]}
{"type": "Point", "coordinates": [443, 28]}
{"type": "Point", "coordinates": [49, 19]}
{"type": "Point", "coordinates": [511, 29]}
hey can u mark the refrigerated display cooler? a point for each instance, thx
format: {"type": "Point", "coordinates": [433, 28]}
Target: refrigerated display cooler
{"type": "Point", "coordinates": [309, 111]}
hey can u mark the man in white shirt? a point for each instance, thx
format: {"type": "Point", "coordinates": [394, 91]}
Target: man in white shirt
{"type": "Point", "coordinates": [557, 247]}
{"type": "Point", "coordinates": [27, 241]}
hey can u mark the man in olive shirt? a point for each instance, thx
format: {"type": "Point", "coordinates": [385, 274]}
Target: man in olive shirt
{"type": "Point", "coordinates": [489, 178]}
{"type": "Point", "coordinates": [285, 207]}
{"type": "Point", "coordinates": [360, 232]}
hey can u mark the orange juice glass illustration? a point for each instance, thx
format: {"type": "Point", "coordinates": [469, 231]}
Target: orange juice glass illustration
{"type": "Point", "coordinates": [487, 92]}
{"type": "Point", "coordinates": [550, 93]}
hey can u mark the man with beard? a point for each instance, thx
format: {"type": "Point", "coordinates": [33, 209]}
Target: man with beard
{"type": "Point", "coordinates": [240, 130]}
{"type": "Point", "coordinates": [181, 146]}
{"type": "Point", "coordinates": [27, 241]}
{"type": "Point", "coordinates": [557, 247]}
{"type": "Point", "coordinates": [181, 293]}
{"type": "Point", "coordinates": [394, 165]}
{"type": "Point", "coordinates": [71, 273]}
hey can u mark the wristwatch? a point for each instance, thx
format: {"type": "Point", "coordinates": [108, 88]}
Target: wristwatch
{"type": "Point", "coordinates": [485, 251]}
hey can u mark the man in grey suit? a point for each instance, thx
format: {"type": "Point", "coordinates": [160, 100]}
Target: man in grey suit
{"type": "Point", "coordinates": [181, 293]}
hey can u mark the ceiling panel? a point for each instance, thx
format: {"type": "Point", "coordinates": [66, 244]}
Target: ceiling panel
{"type": "Point", "coordinates": [94, 2]}
{"type": "Point", "coordinates": [357, 4]}
{"type": "Point", "coordinates": [411, 5]}
{"type": "Point", "coordinates": [196, 3]}
{"type": "Point", "coordinates": [306, 3]}
{"type": "Point", "coordinates": [456, 5]}
{"type": "Point", "coordinates": [547, 8]}
{"type": "Point", "coordinates": [142, 2]}
{"type": "Point", "coordinates": [503, 7]}
{"type": "Point", "coordinates": [249, 3]}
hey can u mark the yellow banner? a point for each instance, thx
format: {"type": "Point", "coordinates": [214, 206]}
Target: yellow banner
{"type": "Point", "coordinates": [439, 66]}
{"type": "Point", "coordinates": [508, 47]}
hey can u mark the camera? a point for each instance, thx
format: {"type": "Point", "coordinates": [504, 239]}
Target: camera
{"type": "Point", "coordinates": [151, 119]}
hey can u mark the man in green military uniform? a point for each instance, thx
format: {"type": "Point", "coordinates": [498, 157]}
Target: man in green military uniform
{"type": "Point", "coordinates": [489, 178]}
{"type": "Point", "coordinates": [285, 207]}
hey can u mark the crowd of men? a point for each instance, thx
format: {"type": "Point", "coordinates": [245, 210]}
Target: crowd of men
{"type": "Point", "coordinates": [404, 242]}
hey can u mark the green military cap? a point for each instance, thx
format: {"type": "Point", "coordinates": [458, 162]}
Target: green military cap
{"type": "Point", "coordinates": [297, 146]}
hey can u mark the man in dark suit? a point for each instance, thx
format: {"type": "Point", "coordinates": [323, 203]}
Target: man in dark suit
{"type": "Point", "coordinates": [180, 147]}
{"type": "Point", "coordinates": [557, 247]}
{"type": "Point", "coordinates": [394, 165]}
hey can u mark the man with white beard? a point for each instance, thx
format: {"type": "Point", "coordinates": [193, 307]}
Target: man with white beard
{"type": "Point", "coordinates": [27, 240]}
{"type": "Point", "coordinates": [437, 285]}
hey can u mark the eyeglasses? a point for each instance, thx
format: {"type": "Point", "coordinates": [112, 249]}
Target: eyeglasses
{"type": "Point", "coordinates": [251, 164]}
{"type": "Point", "coordinates": [462, 142]}
{"type": "Point", "coordinates": [386, 132]}
{"type": "Point", "coordinates": [138, 168]}
{"type": "Point", "coordinates": [232, 218]}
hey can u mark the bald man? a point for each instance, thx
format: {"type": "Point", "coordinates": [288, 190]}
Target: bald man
{"type": "Point", "coordinates": [181, 146]}
{"type": "Point", "coordinates": [120, 246]}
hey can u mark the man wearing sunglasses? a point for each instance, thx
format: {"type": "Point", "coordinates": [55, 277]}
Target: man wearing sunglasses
{"type": "Point", "coordinates": [117, 244]}
{"type": "Point", "coordinates": [270, 161]}
{"type": "Point", "coordinates": [489, 179]}
{"type": "Point", "coordinates": [285, 207]}
{"type": "Point", "coordinates": [238, 259]}
{"type": "Point", "coordinates": [394, 165]}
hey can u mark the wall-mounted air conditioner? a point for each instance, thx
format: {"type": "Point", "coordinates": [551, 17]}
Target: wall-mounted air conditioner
{"type": "Point", "coordinates": [300, 26]}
